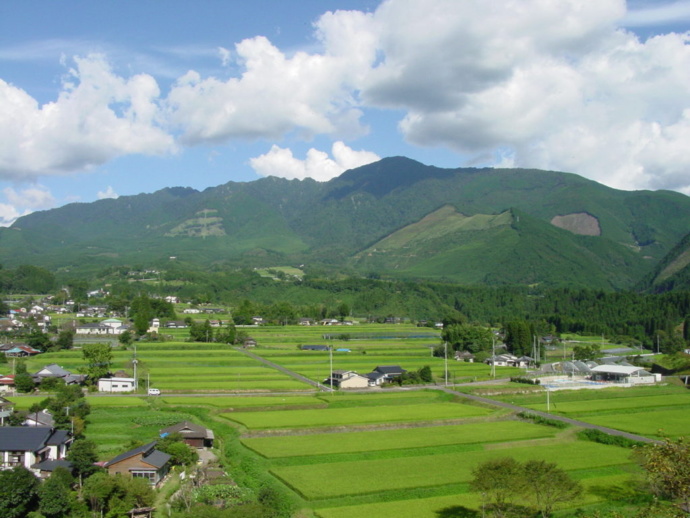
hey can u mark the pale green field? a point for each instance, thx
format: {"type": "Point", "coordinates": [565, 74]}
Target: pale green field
{"type": "Point", "coordinates": [423, 437]}
{"type": "Point", "coordinates": [361, 477]}
{"type": "Point", "coordinates": [651, 423]}
{"type": "Point", "coordinates": [612, 405]}
{"type": "Point", "coordinates": [229, 402]}
{"type": "Point", "coordinates": [355, 416]}
{"type": "Point", "coordinates": [452, 506]}
{"type": "Point", "coordinates": [24, 402]}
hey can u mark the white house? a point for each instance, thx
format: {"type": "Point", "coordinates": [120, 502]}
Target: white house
{"type": "Point", "coordinates": [116, 385]}
{"type": "Point", "coordinates": [32, 447]}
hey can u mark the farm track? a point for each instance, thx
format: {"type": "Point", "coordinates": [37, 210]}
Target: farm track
{"type": "Point", "coordinates": [290, 373]}
{"type": "Point", "coordinates": [574, 422]}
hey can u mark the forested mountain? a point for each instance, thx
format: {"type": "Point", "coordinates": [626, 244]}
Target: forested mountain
{"type": "Point", "coordinates": [393, 218]}
{"type": "Point", "coordinates": [672, 272]}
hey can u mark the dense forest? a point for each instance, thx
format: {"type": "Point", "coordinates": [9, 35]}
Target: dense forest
{"type": "Point", "coordinates": [627, 317]}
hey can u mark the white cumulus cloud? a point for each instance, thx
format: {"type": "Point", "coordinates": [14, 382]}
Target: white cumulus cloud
{"type": "Point", "coordinates": [277, 94]}
{"type": "Point", "coordinates": [24, 201]}
{"type": "Point", "coordinates": [108, 193]}
{"type": "Point", "coordinates": [98, 116]}
{"type": "Point", "coordinates": [317, 165]}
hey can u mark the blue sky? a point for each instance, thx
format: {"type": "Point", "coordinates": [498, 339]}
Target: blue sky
{"type": "Point", "coordinates": [100, 99]}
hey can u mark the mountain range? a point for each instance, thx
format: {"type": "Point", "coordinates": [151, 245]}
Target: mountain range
{"type": "Point", "coordinates": [394, 218]}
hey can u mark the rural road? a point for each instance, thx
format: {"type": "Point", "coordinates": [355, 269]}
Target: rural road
{"type": "Point", "coordinates": [574, 422]}
{"type": "Point", "coordinates": [290, 373]}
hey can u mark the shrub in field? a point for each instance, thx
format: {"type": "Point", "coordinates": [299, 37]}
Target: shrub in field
{"type": "Point", "coordinates": [538, 419]}
{"type": "Point", "coordinates": [605, 438]}
{"type": "Point", "coordinates": [528, 381]}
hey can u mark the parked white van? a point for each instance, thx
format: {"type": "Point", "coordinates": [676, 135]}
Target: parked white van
{"type": "Point", "coordinates": [154, 392]}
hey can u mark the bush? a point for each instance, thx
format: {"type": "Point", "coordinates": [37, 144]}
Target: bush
{"type": "Point", "coordinates": [605, 438]}
{"type": "Point", "coordinates": [538, 419]}
{"type": "Point", "coordinates": [528, 381]}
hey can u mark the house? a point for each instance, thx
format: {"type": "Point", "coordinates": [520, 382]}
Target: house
{"type": "Point", "coordinates": [375, 379]}
{"type": "Point", "coordinates": [6, 409]}
{"type": "Point", "coordinates": [509, 360]}
{"type": "Point", "coordinates": [55, 371]}
{"type": "Point", "coordinates": [329, 322]}
{"type": "Point", "coordinates": [42, 418]}
{"type": "Point", "coordinates": [110, 326]}
{"type": "Point", "coordinates": [346, 379]}
{"type": "Point", "coordinates": [33, 447]}
{"type": "Point", "coordinates": [249, 343]}
{"type": "Point", "coordinates": [623, 374]}
{"type": "Point", "coordinates": [21, 351]}
{"type": "Point", "coordinates": [314, 348]}
{"type": "Point", "coordinates": [306, 322]}
{"type": "Point", "coordinates": [390, 371]}
{"type": "Point", "coordinates": [7, 383]}
{"type": "Point", "coordinates": [142, 462]}
{"type": "Point", "coordinates": [195, 435]}
{"type": "Point", "coordinates": [176, 324]}
{"type": "Point", "coordinates": [464, 356]}
{"type": "Point", "coordinates": [116, 384]}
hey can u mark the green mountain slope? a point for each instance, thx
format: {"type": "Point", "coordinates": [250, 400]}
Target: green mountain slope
{"type": "Point", "coordinates": [672, 272]}
{"type": "Point", "coordinates": [459, 224]}
{"type": "Point", "coordinates": [509, 248]}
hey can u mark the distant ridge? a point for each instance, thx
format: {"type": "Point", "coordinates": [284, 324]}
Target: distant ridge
{"type": "Point", "coordinates": [394, 218]}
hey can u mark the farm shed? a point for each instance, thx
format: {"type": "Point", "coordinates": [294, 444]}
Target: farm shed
{"type": "Point", "coordinates": [195, 435]}
{"type": "Point", "coordinates": [622, 374]}
{"type": "Point", "coordinates": [116, 384]}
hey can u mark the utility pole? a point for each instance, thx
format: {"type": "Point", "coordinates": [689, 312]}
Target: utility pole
{"type": "Point", "coordinates": [330, 377]}
{"type": "Point", "coordinates": [134, 362]}
{"type": "Point", "coordinates": [445, 362]}
{"type": "Point", "coordinates": [493, 356]}
{"type": "Point", "coordinates": [548, 402]}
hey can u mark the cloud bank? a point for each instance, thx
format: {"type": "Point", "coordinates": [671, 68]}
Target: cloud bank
{"type": "Point", "coordinates": [539, 83]}
{"type": "Point", "coordinates": [318, 165]}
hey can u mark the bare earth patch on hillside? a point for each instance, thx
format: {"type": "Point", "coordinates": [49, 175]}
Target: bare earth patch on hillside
{"type": "Point", "coordinates": [578, 223]}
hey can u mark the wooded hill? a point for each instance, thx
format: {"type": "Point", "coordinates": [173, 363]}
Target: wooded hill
{"type": "Point", "coordinates": [394, 218]}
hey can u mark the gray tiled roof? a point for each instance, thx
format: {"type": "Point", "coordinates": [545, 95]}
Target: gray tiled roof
{"type": "Point", "coordinates": [149, 455]}
{"type": "Point", "coordinates": [29, 438]}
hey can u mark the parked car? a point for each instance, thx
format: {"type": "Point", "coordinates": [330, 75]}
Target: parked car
{"type": "Point", "coordinates": [154, 392]}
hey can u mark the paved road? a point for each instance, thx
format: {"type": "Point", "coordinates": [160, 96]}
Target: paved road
{"type": "Point", "coordinates": [290, 373]}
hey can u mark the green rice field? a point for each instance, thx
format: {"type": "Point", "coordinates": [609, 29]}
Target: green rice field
{"type": "Point", "coordinates": [404, 452]}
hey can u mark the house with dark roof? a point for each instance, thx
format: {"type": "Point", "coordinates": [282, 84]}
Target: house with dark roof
{"type": "Point", "coordinates": [55, 371]}
{"type": "Point", "coordinates": [314, 348]}
{"type": "Point", "coordinates": [33, 447]}
{"type": "Point", "coordinates": [42, 418]}
{"type": "Point", "coordinates": [143, 462]}
{"type": "Point", "coordinates": [193, 434]}
{"type": "Point", "coordinates": [390, 371]}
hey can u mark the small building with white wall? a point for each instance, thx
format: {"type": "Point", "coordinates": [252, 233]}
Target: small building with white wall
{"type": "Point", "coordinates": [116, 385]}
{"type": "Point", "coordinates": [623, 374]}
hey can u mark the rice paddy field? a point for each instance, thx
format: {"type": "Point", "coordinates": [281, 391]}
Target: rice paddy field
{"type": "Point", "coordinates": [656, 411]}
{"type": "Point", "coordinates": [401, 452]}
